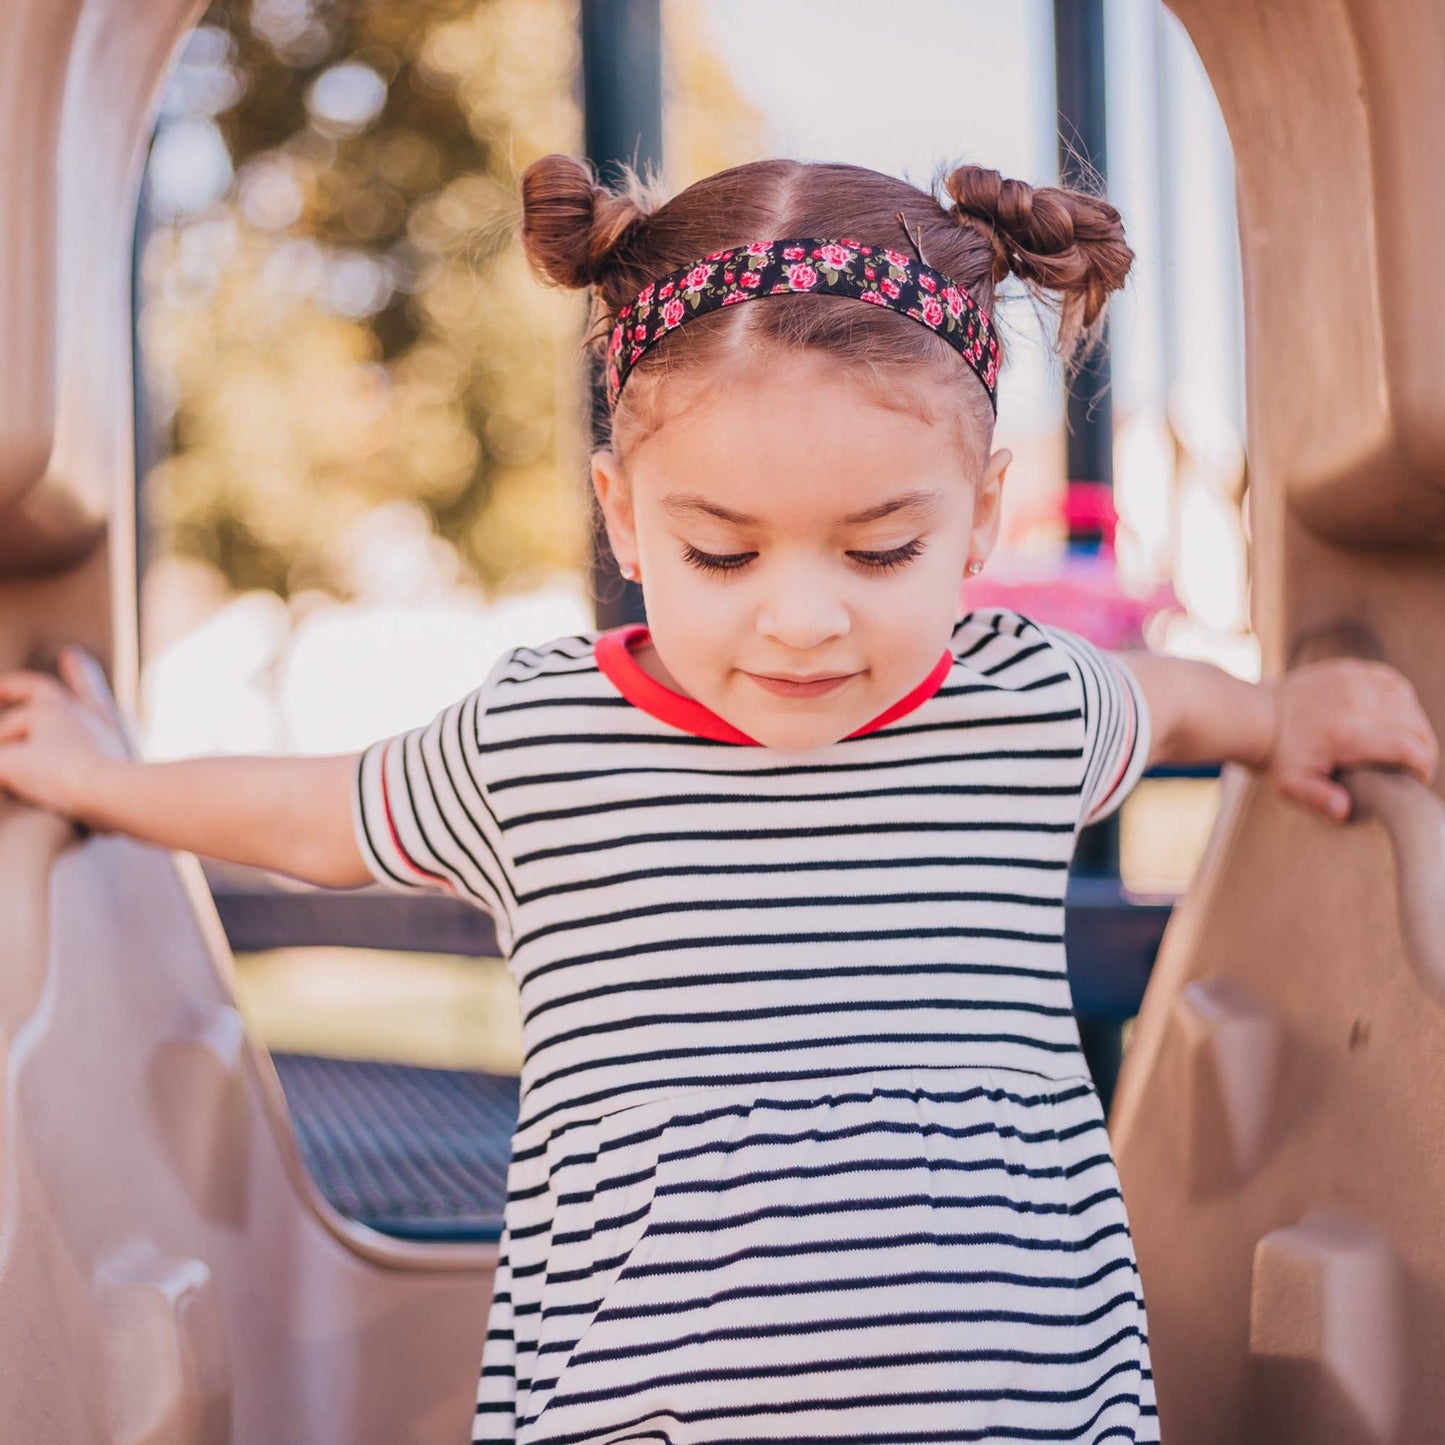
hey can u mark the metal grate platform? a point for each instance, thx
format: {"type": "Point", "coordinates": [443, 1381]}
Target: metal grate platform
{"type": "Point", "coordinates": [413, 1152]}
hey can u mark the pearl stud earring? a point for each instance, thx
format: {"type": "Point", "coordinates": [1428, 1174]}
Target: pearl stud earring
{"type": "Point", "coordinates": [630, 572]}
{"type": "Point", "coordinates": [975, 566]}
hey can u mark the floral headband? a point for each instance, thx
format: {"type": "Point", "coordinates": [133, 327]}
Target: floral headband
{"type": "Point", "coordinates": [876, 274]}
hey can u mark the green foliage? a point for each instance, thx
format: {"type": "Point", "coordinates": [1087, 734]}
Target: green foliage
{"type": "Point", "coordinates": [353, 321]}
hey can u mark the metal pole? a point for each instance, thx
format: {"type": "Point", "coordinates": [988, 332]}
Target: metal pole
{"type": "Point", "coordinates": [622, 121]}
{"type": "Point", "coordinates": [146, 445]}
{"type": "Point", "coordinates": [1083, 155]}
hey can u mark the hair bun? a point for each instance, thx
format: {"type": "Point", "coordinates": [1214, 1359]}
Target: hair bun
{"type": "Point", "coordinates": [571, 224]}
{"type": "Point", "coordinates": [1053, 238]}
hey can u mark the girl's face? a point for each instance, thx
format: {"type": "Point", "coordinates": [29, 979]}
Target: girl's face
{"type": "Point", "coordinates": [789, 527]}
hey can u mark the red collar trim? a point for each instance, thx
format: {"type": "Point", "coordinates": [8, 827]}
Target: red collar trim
{"type": "Point", "coordinates": [613, 650]}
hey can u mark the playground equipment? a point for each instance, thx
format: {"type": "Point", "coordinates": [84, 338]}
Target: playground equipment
{"type": "Point", "coordinates": [1276, 1118]}
{"type": "Point", "coordinates": [169, 1273]}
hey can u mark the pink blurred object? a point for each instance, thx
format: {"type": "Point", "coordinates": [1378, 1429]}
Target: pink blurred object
{"type": "Point", "coordinates": [1080, 589]}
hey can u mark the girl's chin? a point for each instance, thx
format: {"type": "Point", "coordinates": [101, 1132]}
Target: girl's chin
{"type": "Point", "coordinates": [798, 730]}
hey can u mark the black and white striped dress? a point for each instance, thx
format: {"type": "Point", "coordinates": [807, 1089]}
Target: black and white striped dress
{"type": "Point", "coordinates": [807, 1149]}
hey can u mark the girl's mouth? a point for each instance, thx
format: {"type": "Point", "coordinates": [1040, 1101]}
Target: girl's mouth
{"type": "Point", "coordinates": [785, 687]}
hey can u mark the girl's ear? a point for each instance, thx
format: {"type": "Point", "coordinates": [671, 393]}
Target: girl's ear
{"type": "Point", "coordinates": [614, 495]}
{"type": "Point", "coordinates": [988, 503]}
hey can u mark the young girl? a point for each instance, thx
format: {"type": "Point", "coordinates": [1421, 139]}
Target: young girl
{"type": "Point", "coordinates": [807, 1149]}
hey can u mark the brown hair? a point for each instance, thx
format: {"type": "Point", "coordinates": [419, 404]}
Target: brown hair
{"type": "Point", "coordinates": [1067, 246]}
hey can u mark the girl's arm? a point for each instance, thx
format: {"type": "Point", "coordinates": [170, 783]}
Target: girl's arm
{"type": "Point", "coordinates": [1296, 729]}
{"type": "Point", "coordinates": [60, 750]}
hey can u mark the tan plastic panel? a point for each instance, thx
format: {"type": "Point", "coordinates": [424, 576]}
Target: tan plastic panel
{"type": "Point", "coordinates": [1277, 1121]}
{"type": "Point", "coordinates": [1335, 108]}
{"type": "Point", "coordinates": [168, 1273]}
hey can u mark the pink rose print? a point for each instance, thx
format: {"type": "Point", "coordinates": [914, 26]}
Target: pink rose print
{"type": "Point", "coordinates": [616, 345]}
{"type": "Point", "coordinates": [614, 376]}
{"type": "Point", "coordinates": [802, 278]}
{"type": "Point", "coordinates": [953, 299]}
{"type": "Point", "coordinates": [989, 375]}
{"type": "Point", "coordinates": [672, 313]}
{"type": "Point", "coordinates": [874, 297]}
{"type": "Point", "coordinates": [733, 297]}
{"type": "Point", "coordinates": [665, 292]}
{"type": "Point", "coordinates": [729, 277]}
{"type": "Point", "coordinates": [715, 255]}
{"type": "Point", "coordinates": [645, 295]}
{"type": "Point", "coordinates": [750, 279]}
{"type": "Point", "coordinates": [835, 256]}
{"type": "Point", "coordinates": [891, 287]}
{"type": "Point", "coordinates": [932, 312]}
{"type": "Point", "coordinates": [846, 241]}
{"type": "Point", "coordinates": [897, 257]}
{"type": "Point", "coordinates": [697, 278]}
{"type": "Point", "coordinates": [759, 248]}
{"type": "Point", "coordinates": [870, 273]}
{"type": "Point", "coordinates": [636, 352]}
{"type": "Point", "coordinates": [793, 253]}
{"type": "Point", "coordinates": [928, 283]}
{"type": "Point", "coordinates": [639, 333]}
{"type": "Point", "coordinates": [624, 313]}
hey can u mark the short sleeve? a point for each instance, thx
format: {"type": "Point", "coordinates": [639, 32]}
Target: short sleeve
{"type": "Point", "coordinates": [1116, 724]}
{"type": "Point", "coordinates": [422, 816]}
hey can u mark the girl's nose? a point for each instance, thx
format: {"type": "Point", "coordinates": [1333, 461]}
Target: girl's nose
{"type": "Point", "coordinates": [803, 617]}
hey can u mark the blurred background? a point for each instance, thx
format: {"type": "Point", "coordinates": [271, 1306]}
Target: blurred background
{"type": "Point", "coordinates": [364, 425]}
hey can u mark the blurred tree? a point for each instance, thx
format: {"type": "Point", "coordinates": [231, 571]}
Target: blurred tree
{"type": "Point", "coordinates": [343, 315]}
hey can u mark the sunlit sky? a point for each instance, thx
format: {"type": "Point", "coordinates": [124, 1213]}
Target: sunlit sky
{"type": "Point", "coordinates": [900, 87]}
{"type": "Point", "coordinates": [906, 87]}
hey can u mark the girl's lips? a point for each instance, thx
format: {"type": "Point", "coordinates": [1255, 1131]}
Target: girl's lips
{"type": "Point", "coordinates": [800, 689]}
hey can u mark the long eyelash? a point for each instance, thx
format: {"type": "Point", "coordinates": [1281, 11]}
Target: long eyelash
{"type": "Point", "coordinates": [874, 561]}
{"type": "Point", "coordinates": [891, 559]}
{"type": "Point", "coordinates": [710, 563]}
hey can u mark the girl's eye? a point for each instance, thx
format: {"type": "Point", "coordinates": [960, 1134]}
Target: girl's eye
{"type": "Point", "coordinates": [709, 562]}
{"type": "Point", "coordinates": [893, 557]}
{"type": "Point", "coordinates": [874, 561]}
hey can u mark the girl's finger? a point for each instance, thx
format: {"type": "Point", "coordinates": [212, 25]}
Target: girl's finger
{"type": "Point", "coordinates": [22, 685]}
{"type": "Point", "coordinates": [1426, 756]}
{"type": "Point", "coordinates": [15, 724]}
{"type": "Point", "coordinates": [79, 670]}
{"type": "Point", "coordinates": [1381, 737]}
{"type": "Point", "coordinates": [1412, 746]}
{"type": "Point", "coordinates": [69, 668]}
{"type": "Point", "coordinates": [1330, 799]}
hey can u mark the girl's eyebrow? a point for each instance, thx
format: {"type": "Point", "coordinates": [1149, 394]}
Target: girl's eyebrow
{"type": "Point", "coordinates": [921, 502]}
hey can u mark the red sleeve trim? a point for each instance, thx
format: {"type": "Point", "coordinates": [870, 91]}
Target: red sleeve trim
{"type": "Point", "coordinates": [1128, 755]}
{"type": "Point", "coordinates": [392, 833]}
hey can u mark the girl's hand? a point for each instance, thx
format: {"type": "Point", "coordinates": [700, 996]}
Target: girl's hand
{"type": "Point", "coordinates": [1340, 713]}
{"type": "Point", "coordinates": [54, 734]}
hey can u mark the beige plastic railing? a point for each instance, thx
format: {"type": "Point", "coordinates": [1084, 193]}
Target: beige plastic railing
{"type": "Point", "coordinates": [168, 1273]}
{"type": "Point", "coordinates": [1277, 1120]}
